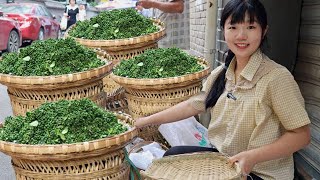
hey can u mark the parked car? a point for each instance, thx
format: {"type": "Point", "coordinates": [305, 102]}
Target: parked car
{"type": "Point", "coordinates": [10, 34]}
{"type": "Point", "coordinates": [36, 22]}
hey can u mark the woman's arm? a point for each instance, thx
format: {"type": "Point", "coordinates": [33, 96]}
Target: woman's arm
{"type": "Point", "coordinates": [290, 142]}
{"type": "Point", "coordinates": [178, 112]}
{"type": "Point", "coordinates": [167, 7]}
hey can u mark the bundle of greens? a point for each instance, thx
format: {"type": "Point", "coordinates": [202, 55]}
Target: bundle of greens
{"type": "Point", "coordinates": [158, 63]}
{"type": "Point", "coordinates": [114, 24]}
{"type": "Point", "coordinates": [61, 122]}
{"type": "Point", "coordinates": [50, 57]}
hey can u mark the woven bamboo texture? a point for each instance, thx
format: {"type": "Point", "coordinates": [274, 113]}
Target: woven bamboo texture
{"type": "Point", "coordinates": [133, 84]}
{"type": "Point", "coordinates": [124, 44]}
{"type": "Point", "coordinates": [28, 93]}
{"type": "Point", "coordinates": [144, 103]}
{"type": "Point", "coordinates": [149, 96]}
{"type": "Point", "coordinates": [199, 166]}
{"type": "Point", "coordinates": [98, 159]}
{"type": "Point", "coordinates": [117, 102]}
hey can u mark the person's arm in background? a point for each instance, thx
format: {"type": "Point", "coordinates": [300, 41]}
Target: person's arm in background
{"type": "Point", "coordinates": [175, 6]}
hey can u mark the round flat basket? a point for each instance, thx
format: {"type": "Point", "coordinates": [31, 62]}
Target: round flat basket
{"type": "Point", "coordinates": [149, 96]}
{"type": "Point", "coordinates": [97, 159]}
{"type": "Point", "coordinates": [29, 92]}
{"type": "Point", "coordinates": [125, 48]}
{"type": "Point", "coordinates": [117, 50]}
{"type": "Point", "coordinates": [200, 166]}
{"type": "Point", "coordinates": [135, 86]}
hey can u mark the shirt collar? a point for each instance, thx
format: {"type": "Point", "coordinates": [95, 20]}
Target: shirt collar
{"type": "Point", "coordinates": [249, 71]}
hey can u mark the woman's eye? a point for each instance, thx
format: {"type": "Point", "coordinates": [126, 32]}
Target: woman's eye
{"type": "Point", "coordinates": [251, 27]}
{"type": "Point", "coordinates": [232, 27]}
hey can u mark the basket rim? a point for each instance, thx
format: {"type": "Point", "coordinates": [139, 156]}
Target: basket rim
{"type": "Point", "coordinates": [195, 156]}
{"type": "Point", "coordinates": [127, 82]}
{"type": "Point", "coordinates": [117, 140]}
{"type": "Point", "coordinates": [126, 41]}
{"type": "Point", "coordinates": [58, 79]}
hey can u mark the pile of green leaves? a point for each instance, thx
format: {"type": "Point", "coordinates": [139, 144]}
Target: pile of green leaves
{"type": "Point", "coordinates": [50, 57]}
{"type": "Point", "coordinates": [61, 122]}
{"type": "Point", "coordinates": [158, 63]}
{"type": "Point", "coordinates": [114, 24]}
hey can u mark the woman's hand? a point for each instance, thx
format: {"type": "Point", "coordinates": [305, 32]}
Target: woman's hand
{"type": "Point", "coordinates": [246, 162]}
{"type": "Point", "coordinates": [65, 14]}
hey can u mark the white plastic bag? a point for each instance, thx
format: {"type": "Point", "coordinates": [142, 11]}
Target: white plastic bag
{"type": "Point", "coordinates": [187, 132]}
{"type": "Point", "coordinates": [143, 159]}
{"type": "Point", "coordinates": [63, 23]}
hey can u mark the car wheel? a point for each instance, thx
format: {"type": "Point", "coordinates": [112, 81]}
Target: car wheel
{"type": "Point", "coordinates": [41, 34]}
{"type": "Point", "coordinates": [13, 41]}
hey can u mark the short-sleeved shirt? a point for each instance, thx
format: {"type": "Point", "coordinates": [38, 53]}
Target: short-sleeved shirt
{"type": "Point", "coordinates": [177, 27]}
{"type": "Point", "coordinates": [268, 102]}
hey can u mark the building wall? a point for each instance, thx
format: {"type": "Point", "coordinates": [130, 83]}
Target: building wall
{"type": "Point", "coordinates": [307, 74]}
{"type": "Point", "coordinates": [197, 26]}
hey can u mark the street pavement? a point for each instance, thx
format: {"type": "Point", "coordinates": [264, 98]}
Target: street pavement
{"type": "Point", "coordinates": [6, 170]}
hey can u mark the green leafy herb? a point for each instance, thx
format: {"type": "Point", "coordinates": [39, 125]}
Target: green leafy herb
{"type": "Point", "coordinates": [158, 63]}
{"type": "Point", "coordinates": [114, 24]}
{"type": "Point", "coordinates": [61, 122]}
{"type": "Point", "coordinates": [50, 57]}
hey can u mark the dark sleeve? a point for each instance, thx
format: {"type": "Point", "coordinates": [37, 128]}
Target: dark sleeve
{"type": "Point", "coordinates": [77, 11]}
{"type": "Point", "coordinates": [65, 10]}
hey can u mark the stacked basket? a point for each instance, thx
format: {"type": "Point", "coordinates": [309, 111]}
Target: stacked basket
{"type": "Point", "coordinates": [29, 92]}
{"type": "Point", "coordinates": [148, 96]}
{"type": "Point", "coordinates": [98, 159]}
{"type": "Point", "coordinates": [122, 49]}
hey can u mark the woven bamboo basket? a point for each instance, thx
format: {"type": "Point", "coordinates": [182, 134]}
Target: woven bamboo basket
{"type": "Point", "coordinates": [200, 166]}
{"type": "Point", "coordinates": [125, 48]}
{"type": "Point", "coordinates": [29, 92]}
{"type": "Point", "coordinates": [101, 159]}
{"type": "Point", "coordinates": [117, 50]}
{"type": "Point", "coordinates": [148, 96]}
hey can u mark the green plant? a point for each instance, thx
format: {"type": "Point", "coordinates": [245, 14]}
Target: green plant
{"type": "Point", "coordinates": [50, 57]}
{"type": "Point", "coordinates": [114, 24]}
{"type": "Point", "coordinates": [158, 63]}
{"type": "Point", "coordinates": [61, 122]}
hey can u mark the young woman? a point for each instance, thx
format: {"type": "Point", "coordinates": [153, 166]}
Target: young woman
{"type": "Point", "coordinates": [72, 12]}
{"type": "Point", "coordinates": [257, 111]}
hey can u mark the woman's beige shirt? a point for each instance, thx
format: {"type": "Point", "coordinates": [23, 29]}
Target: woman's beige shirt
{"type": "Point", "coordinates": [268, 102]}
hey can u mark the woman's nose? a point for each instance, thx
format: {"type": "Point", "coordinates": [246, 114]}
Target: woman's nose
{"type": "Point", "coordinates": [242, 34]}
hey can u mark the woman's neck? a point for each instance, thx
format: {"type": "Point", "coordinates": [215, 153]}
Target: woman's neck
{"type": "Point", "coordinates": [240, 65]}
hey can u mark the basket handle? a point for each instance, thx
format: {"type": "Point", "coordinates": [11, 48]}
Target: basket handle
{"type": "Point", "coordinates": [133, 168]}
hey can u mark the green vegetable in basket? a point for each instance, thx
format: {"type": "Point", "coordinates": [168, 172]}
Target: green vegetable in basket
{"type": "Point", "coordinates": [50, 57]}
{"type": "Point", "coordinates": [158, 63]}
{"type": "Point", "coordinates": [61, 122]}
{"type": "Point", "coordinates": [114, 24]}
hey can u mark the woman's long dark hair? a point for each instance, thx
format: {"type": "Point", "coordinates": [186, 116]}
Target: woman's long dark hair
{"type": "Point", "coordinates": [237, 9]}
